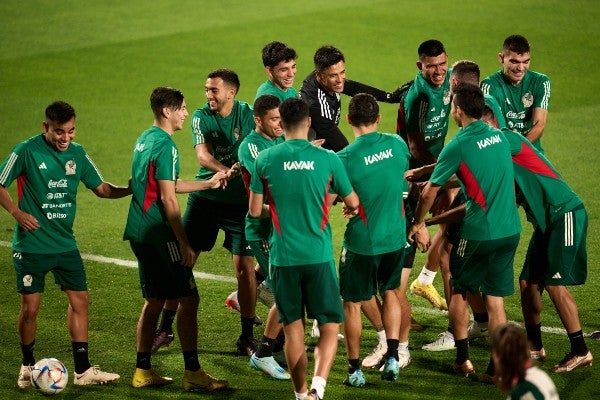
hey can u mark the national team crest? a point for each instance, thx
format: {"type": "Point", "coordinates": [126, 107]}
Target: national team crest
{"type": "Point", "coordinates": [70, 167]}
{"type": "Point", "coordinates": [446, 97]}
{"type": "Point", "coordinates": [527, 100]}
{"type": "Point", "coordinates": [237, 133]}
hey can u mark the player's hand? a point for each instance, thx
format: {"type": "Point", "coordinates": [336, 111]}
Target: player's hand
{"type": "Point", "coordinates": [413, 174]}
{"type": "Point", "coordinates": [349, 212]}
{"type": "Point", "coordinates": [317, 142]}
{"type": "Point", "coordinates": [233, 171]}
{"type": "Point", "coordinates": [418, 233]}
{"type": "Point", "coordinates": [188, 255]}
{"type": "Point", "coordinates": [218, 180]}
{"type": "Point", "coordinates": [26, 221]}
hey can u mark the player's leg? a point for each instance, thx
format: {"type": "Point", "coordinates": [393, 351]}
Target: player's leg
{"type": "Point", "coordinates": [295, 354]}
{"type": "Point", "coordinates": [423, 284]}
{"type": "Point", "coordinates": [405, 318]}
{"type": "Point", "coordinates": [372, 310]}
{"type": "Point", "coordinates": [164, 335]}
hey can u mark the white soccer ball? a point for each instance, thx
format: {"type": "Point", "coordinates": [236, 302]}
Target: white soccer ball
{"type": "Point", "coordinates": [49, 376]}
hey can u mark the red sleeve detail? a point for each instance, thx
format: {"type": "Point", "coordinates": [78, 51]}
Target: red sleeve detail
{"type": "Point", "coordinates": [531, 161]}
{"type": "Point", "coordinates": [472, 187]}
{"type": "Point", "coordinates": [324, 206]}
{"type": "Point", "coordinates": [152, 189]}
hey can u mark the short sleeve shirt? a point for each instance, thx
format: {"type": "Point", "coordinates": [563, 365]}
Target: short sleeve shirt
{"type": "Point", "coordinates": [375, 163]}
{"type": "Point", "coordinates": [492, 103]}
{"type": "Point", "coordinates": [225, 136]}
{"type": "Point", "coordinates": [537, 385]}
{"type": "Point", "coordinates": [480, 157]}
{"type": "Point", "coordinates": [269, 88]}
{"type": "Point", "coordinates": [47, 182]}
{"type": "Point", "coordinates": [295, 177]}
{"type": "Point", "coordinates": [155, 157]}
{"type": "Point", "coordinates": [517, 102]}
{"type": "Point", "coordinates": [250, 148]}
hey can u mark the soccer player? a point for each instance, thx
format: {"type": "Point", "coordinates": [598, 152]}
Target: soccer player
{"type": "Point", "coordinates": [218, 128]}
{"type": "Point", "coordinates": [268, 133]}
{"type": "Point", "coordinates": [301, 256]}
{"type": "Point", "coordinates": [373, 249]}
{"type": "Point", "coordinates": [556, 256]}
{"type": "Point", "coordinates": [280, 65]}
{"type": "Point", "coordinates": [517, 376]}
{"type": "Point", "coordinates": [523, 95]}
{"type": "Point", "coordinates": [482, 259]}
{"type": "Point", "coordinates": [158, 240]}
{"type": "Point", "coordinates": [48, 168]}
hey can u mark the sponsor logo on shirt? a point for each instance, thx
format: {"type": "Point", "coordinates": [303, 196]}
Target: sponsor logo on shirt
{"type": "Point", "coordinates": [70, 167]}
{"type": "Point", "coordinates": [382, 155]}
{"type": "Point", "coordinates": [43, 166]}
{"type": "Point", "coordinates": [62, 183]}
{"type": "Point", "coordinates": [54, 215]}
{"type": "Point", "coordinates": [483, 143]}
{"type": "Point", "coordinates": [61, 205]}
{"type": "Point", "coordinates": [515, 115]}
{"type": "Point", "coordinates": [51, 196]}
{"type": "Point", "coordinates": [298, 165]}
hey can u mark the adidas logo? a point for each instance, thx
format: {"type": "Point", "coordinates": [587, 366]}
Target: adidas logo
{"type": "Point", "coordinates": [556, 276]}
{"type": "Point", "coordinates": [42, 165]}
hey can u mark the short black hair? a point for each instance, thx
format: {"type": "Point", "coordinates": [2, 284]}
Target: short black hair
{"type": "Point", "coordinates": [293, 111]}
{"type": "Point", "coordinates": [264, 104]}
{"type": "Point", "coordinates": [228, 76]}
{"type": "Point", "coordinates": [466, 71]}
{"type": "Point", "coordinates": [162, 97]}
{"type": "Point", "coordinates": [363, 109]}
{"type": "Point", "coordinates": [326, 56]}
{"type": "Point", "coordinates": [517, 44]}
{"type": "Point", "coordinates": [470, 99]}
{"type": "Point", "coordinates": [60, 112]}
{"type": "Point", "coordinates": [430, 48]}
{"type": "Point", "coordinates": [275, 52]}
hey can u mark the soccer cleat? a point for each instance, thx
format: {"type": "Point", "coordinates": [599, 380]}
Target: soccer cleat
{"type": "Point", "coordinates": [162, 339]}
{"type": "Point", "coordinates": [430, 293]}
{"type": "Point", "coordinates": [355, 379]}
{"type": "Point", "coordinates": [478, 330]}
{"type": "Point", "coordinates": [199, 380]}
{"type": "Point", "coordinates": [279, 358]}
{"type": "Point", "coordinates": [148, 377]}
{"type": "Point", "coordinates": [595, 335]}
{"type": "Point", "coordinates": [466, 368]}
{"type": "Point", "coordinates": [403, 358]}
{"type": "Point", "coordinates": [375, 357]}
{"type": "Point", "coordinates": [316, 333]}
{"type": "Point", "coordinates": [539, 355]}
{"type": "Point", "coordinates": [572, 361]}
{"type": "Point", "coordinates": [265, 295]}
{"type": "Point", "coordinates": [443, 343]}
{"type": "Point", "coordinates": [24, 380]}
{"type": "Point", "coordinates": [486, 378]}
{"type": "Point", "coordinates": [312, 395]}
{"type": "Point", "coordinates": [269, 366]}
{"type": "Point", "coordinates": [391, 369]}
{"type": "Point", "coordinates": [246, 346]}
{"type": "Point", "coordinates": [233, 304]}
{"type": "Point", "coordinates": [94, 376]}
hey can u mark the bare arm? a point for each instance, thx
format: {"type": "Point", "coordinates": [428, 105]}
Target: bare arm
{"type": "Point", "coordinates": [255, 205]}
{"type": "Point", "coordinates": [107, 190]}
{"type": "Point", "coordinates": [451, 216]}
{"type": "Point", "coordinates": [206, 159]}
{"type": "Point", "coordinates": [219, 179]}
{"type": "Point", "coordinates": [173, 214]}
{"type": "Point", "coordinates": [418, 230]}
{"type": "Point", "coordinates": [25, 220]}
{"type": "Point", "coordinates": [416, 173]}
{"type": "Point", "coordinates": [351, 204]}
{"type": "Point", "coordinates": [416, 145]}
{"type": "Point", "coordinates": [538, 124]}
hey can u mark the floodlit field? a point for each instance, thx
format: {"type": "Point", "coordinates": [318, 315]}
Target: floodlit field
{"type": "Point", "coordinates": [105, 57]}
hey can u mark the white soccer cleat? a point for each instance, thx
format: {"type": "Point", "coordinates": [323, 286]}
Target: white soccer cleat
{"type": "Point", "coordinates": [24, 380]}
{"type": "Point", "coordinates": [375, 357]}
{"type": "Point", "coordinates": [478, 330]}
{"type": "Point", "coordinates": [94, 376]}
{"type": "Point", "coordinates": [265, 295]}
{"type": "Point", "coordinates": [444, 342]}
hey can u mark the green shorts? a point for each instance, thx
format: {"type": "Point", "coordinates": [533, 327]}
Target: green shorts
{"type": "Point", "coordinates": [361, 276]}
{"type": "Point", "coordinates": [204, 218]}
{"type": "Point", "coordinates": [161, 274]}
{"type": "Point", "coordinates": [260, 249]}
{"type": "Point", "coordinates": [314, 287]}
{"type": "Point", "coordinates": [558, 257]}
{"type": "Point", "coordinates": [31, 270]}
{"type": "Point", "coordinates": [485, 265]}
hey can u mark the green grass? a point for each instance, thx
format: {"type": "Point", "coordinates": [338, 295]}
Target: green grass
{"type": "Point", "coordinates": [106, 57]}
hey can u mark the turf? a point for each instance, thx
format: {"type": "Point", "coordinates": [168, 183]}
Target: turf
{"type": "Point", "coordinates": [105, 57]}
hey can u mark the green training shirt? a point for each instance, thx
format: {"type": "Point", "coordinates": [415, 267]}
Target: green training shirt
{"type": "Point", "coordinates": [492, 103]}
{"type": "Point", "coordinates": [480, 157]}
{"type": "Point", "coordinates": [251, 146]}
{"type": "Point", "coordinates": [47, 181]}
{"type": "Point", "coordinates": [517, 102]}
{"type": "Point", "coordinates": [155, 157]}
{"type": "Point", "coordinates": [375, 163]}
{"type": "Point", "coordinates": [269, 88]}
{"type": "Point", "coordinates": [225, 136]}
{"type": "Point", "coordinates": [295, 177]}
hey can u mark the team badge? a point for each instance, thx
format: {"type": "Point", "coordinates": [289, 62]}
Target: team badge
{"type": "Point", "coordinates": [27, 280]}
{"type": "Point", "coordinates": [527, 100]}
{"type": "Point", "coordinates": [446, 97]}
{"type": "Point", "coordinates": [237, 134]}
{"type": "Point", "coordinates": [70, 167]}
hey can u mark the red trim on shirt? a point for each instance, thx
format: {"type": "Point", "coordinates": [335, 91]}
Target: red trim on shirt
{"type": "Point", "coordinates": [531, 161]}
{"type": "Point", "coordinates": [472, 187]}
{"type": "Point", "coordinates": [21, 179]}
{"type": "Point", "coordinates": [324, 205]}
{"type": "Point", "coordinates": [272, 208]}
{"type": "Point", "coordinates": [152, 189]}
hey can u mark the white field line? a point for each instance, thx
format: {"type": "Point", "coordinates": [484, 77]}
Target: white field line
{"type": "Point", "coordinates": [221, 278]}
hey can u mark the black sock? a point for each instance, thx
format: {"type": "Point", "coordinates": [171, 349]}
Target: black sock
{"type": "Point", "coordinates": [450, 330]}
{"type": "Point", "coordinates": [143, 360]}
{"type": "Point", "coordinates": [481, 317]}
{"type": "Point", "coordinates": [491, 369]}
{"type": "Point", "coordinates": [578, 346]}
{"type": "Point", "coordinates": [247, 327]}
{"type": "Point", "coordinates": [166, 323]}
{"type": "Point", "coordinates": [462, 350]}
{"type": "Point", "coordinates": [259, 277]}
{"type": "Point", "coordinates": [190, 360]}
{"type": "Point", "coordinates": [534, 335]}
{"type": "Point", "coordinates": [279, 342]}
{"type": "Point", "coordinates": [353, 365]}
{"type": "Point", "coordinates": [266, 347]}
{"type": "Point", "coordinates": [392, 351]}
{"type": "Point", "coordinates": [80, 355]}
{"type": "Point", "coordinates": [27, 351]}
